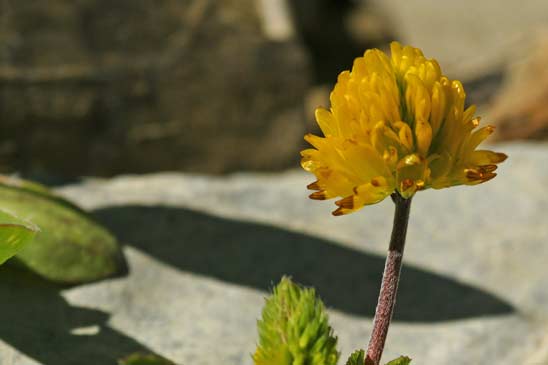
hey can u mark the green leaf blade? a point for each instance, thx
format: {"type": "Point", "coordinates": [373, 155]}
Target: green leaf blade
{"type": "Point", "coordinates": [402, 360]}
{"type": "Point", "coordinates": [357, 358]}
{"type": "Point", "coordinates": [71, 247]}
{"type": "Point", "coordinates": [15, 233]}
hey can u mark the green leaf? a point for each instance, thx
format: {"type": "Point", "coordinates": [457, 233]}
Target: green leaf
{"type": "Point", "coordinates": [140, 358]}
{"type": "Point", "coordinates": [15, 233]}
{"type": "Point", "coordinates": [402, 360]}
{"type": "Point", "coordinates": [71, 247]}
{"type": "Point", "coordinates": [294, 329]}
{"type": "Point", "coordinates": [357, 358]}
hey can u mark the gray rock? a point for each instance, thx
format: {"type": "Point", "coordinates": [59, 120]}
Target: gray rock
{"type": "Point", "coordinates": [203, 252]}
{"type": "Point", "coordinates": [125, 87]}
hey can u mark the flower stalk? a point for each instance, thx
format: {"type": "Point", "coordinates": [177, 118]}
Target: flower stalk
{"type": "Point", "coordinates": [390, 279]}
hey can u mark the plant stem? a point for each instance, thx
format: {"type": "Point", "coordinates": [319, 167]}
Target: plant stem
{"type": "Point", "coordinates": [389, 287]}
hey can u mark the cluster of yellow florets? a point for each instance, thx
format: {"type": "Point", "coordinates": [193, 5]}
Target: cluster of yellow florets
{"type": "Point", "coordinates": [395, 124]}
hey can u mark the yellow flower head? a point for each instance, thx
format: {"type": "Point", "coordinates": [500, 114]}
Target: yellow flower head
{"type": "Point", "coordinates": [395, 124]}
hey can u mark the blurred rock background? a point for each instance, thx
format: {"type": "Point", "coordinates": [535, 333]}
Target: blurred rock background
{"type": "Point", "coordinates": [95, 87]}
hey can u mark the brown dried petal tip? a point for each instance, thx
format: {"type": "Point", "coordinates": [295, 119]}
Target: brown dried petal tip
{"type": "Point", "coordinates": [339, 211]}
{"type": "Point", "coordinates": [318, 195]}
{"type": "Point", "coordinates": [314, 186]}
{"type": "Point", "coordinates": [346, 203]}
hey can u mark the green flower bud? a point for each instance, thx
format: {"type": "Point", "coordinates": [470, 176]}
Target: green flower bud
{"type": "Point", "coordinates": [294, 329]}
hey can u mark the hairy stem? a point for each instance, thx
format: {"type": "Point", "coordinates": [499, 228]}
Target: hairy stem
{"type": "Point", "coordinates": [389, 287]}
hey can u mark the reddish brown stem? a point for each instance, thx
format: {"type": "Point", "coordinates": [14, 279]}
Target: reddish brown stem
{"type": "Point", "coordinates": [390, 279]}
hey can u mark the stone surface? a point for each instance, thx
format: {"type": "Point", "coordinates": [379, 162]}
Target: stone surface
{"type": "Point", "coordinates": [96, 88]}
{"type": "Point", "coordinates": [203, 252]}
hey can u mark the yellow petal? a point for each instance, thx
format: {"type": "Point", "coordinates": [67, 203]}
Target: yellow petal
{"type": "Point", "coordinates": [477, 137]}
{"type": "Point", "coordinates": [469, 113]}
{"type": "Point", "coordinates": [423, 134]}
{"type": "Point", "coordinates": [315, 141]}
{"type": "Point", "coordinates": [369, 193]}
{"type": "Point", "coordinates": [326, 121]}
{"type": "Point", "coordinates": [438, 107]}
{"type": "Point", "coordinates": [406, 137]}
{"type": "Point", "coordinates": [310, 160]}
{"type": "Point", "coordinates": [485, 157]}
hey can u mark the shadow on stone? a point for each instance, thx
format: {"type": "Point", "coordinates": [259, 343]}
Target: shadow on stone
{"type": "Point", "coordinates": [38, 322]}
{"type": "Point", "coordinates": [257, 255]}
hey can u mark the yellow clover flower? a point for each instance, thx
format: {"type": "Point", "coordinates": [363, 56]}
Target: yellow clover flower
{"type": "Point", "coordinates": [395, 124]}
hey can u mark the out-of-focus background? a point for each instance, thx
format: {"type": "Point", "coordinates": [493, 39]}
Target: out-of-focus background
{"type": "Point", "coordinates": [96, 87]}
{"type": "Point", "coordinates": [176, 126]}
